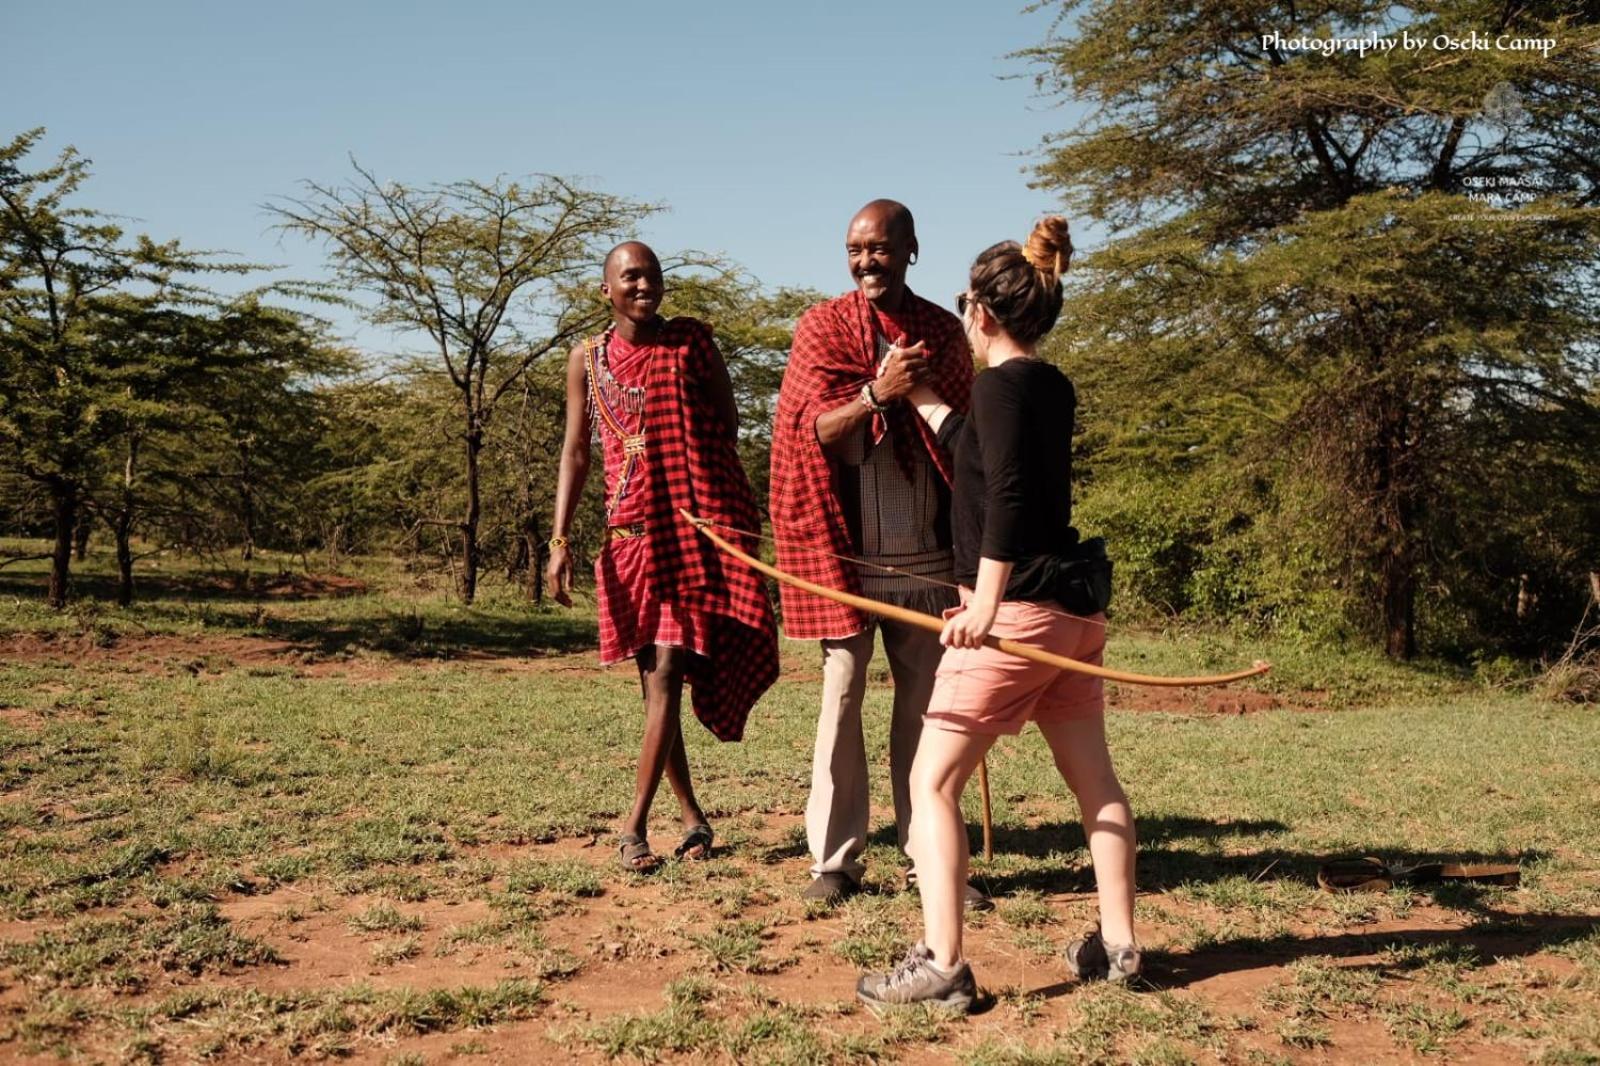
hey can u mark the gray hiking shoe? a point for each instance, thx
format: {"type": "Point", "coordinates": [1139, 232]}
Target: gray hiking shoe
{"type": "Point", "coordinates": [1091, 959]}
{"type": "Point", "coordinates": [915, 980]}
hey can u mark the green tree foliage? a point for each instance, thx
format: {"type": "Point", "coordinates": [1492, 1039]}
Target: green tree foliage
{"type": "Point", "coordinates": [106, 340]}
{"type": "Point", "coordinates": [1323, 379]}
{"type": "Point", "coordinates": [398, 435]}
{"type": "Point", "coordinates": [483, 273]}
{"type": "Point", "coordinates": [220, 455]}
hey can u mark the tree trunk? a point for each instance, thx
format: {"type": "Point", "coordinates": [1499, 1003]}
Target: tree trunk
{"type": "Point", "coordinates": [1594, 586]}
{"type": "Point", "coordinates": [120, 530]}
{"type": "Point", "coordinates": [247, 504]}
{"type": "Point", "coordinates": [535, 575]}
{"type": "Point", "coordinates": [519, 558]}
{"type": "Point", "coordinates": [335, 540]}
{"type": "Point", "coordinates": [80, 534]}
{"type": "Point", "coordinates": [122, 526]}
{"type": "Point", "coordinates": [1399, 510]}
{"type": "Point", "coordinates": [1399, 593]}
{"type": "Point", "coordinates": [469, 527]}
{"type": "Point", "coordinates": [64, 497]}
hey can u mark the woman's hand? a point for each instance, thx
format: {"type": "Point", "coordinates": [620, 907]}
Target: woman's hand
{"type": "Point", "coordinates": [558, 574]}
{"type": "Point", "coordinates": [968, 626]}
{"type": "Point", "coordinates": [972, 622]}
{"type": "Point", "coordinates": [903, 370]}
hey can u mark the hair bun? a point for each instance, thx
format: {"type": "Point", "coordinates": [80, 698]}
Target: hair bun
{"type": "Point", "coordinates": [1049, 247]}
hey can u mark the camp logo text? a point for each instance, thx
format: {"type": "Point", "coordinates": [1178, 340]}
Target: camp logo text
{"type": "Point", "coordinates": [1443, 42]}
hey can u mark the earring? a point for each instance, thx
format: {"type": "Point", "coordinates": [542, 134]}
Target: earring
{"type": "Point", "coordinates": [913, 261]}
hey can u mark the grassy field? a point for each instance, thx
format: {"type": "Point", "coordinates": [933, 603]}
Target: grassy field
{"type": "Point", "coordinates": [264, 816]}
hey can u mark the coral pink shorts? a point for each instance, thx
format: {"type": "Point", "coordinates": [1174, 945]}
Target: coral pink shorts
{"type": "Point", "coordinates": [985, 690]}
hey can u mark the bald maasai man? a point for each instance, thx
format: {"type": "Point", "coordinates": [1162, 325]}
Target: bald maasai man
{"type": "Point", "coordinates": [658, 393]}
{"type": "Point", "coordinates": [856, 473]}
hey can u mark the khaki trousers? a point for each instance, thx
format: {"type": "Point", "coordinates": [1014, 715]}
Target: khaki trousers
{"type": "Point", "coordinates": [837, 812]}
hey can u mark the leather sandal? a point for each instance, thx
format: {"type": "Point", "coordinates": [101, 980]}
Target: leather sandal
{"type": "Point", "coordinates": [634, 853]}
{"type": "Point", "coordinates": [696, 845]}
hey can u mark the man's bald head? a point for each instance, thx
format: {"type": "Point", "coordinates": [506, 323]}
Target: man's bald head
{"type": "Point", "coordinates": [629, 249]}
{"type": "Point", "coordinates": [880, 244]}
{"type": "Point", "coordinates": [893, 214]}
{"type": "Point", "coordinates": [632, 283]}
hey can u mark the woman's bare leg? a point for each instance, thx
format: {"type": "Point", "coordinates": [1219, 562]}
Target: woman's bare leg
{"type": "Point", "coordinates": [1079, 747]}
{"type": "Point", "coordinates": [938, 844]}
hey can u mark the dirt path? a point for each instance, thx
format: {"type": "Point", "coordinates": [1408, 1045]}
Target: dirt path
{"type": "Point", "coordinates": [206, 653]}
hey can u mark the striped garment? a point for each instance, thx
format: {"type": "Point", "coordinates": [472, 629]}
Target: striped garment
{"type": "Point", "coordinates": [835, 352]}
{"type": "Point", "coordinates": [690, 461]}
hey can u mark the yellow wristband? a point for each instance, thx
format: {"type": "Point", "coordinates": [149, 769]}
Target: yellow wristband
{"type": "Point", "coordinates": [557, 542]}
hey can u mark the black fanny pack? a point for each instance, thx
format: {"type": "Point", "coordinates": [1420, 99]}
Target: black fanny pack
{"type": "Point", "coordinates": [1081, 577]}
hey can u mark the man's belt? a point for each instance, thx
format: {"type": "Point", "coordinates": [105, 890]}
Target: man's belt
{"type": "Point", "coordinates": [628, 532]}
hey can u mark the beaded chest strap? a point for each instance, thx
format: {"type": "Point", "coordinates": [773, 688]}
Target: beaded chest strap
{"type": "Point", "coordinates": [616, 405]}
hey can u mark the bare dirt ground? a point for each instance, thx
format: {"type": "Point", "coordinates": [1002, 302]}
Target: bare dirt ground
{"type": "Point", "coordinates": [630, 943]}
{"type": "Point", "coordinates": [613, 954]}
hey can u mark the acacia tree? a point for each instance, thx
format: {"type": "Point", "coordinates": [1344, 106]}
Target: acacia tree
{"type": "Point", "coordinates": [395, 471]}
{"type": "Point", "coordinates": [486, 272]}
{"type": "Point", "coordinates": [73, 292]}
{"type": "Point", "coordinates": [1302, 295]}
{"type": "Point", "coordinates": [217, 411]}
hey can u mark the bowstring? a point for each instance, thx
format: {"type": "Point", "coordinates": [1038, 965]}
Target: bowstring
{"type": "Point", "coordinates": [885, 568]}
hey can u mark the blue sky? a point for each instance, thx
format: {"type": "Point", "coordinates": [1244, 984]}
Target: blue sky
{"type": "Point", "coordinates": [762, 125]}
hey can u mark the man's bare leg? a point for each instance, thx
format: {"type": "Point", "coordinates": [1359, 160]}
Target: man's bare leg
{"type": "Point", "coordinates": [661, 671]}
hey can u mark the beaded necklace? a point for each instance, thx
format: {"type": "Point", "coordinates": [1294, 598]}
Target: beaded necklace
{"type": "Point", "coordinates": [620, 409]}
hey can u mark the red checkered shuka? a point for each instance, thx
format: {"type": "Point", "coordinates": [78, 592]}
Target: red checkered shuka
{"type": "Point", "coordinates": [691, 461]}
{"type": "Point", "coordinates": [631, 615]}
{"type": "Point", "coordinates": [835, 352]}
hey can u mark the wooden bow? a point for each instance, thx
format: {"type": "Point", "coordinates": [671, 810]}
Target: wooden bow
{"type": "Point", "coordinates": [929, 622]}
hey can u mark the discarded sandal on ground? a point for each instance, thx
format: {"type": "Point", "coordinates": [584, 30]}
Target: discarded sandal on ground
{"type": "Point", "coordinates": [1374, 875]}
{"type": "Point", "coordinates": [634, 853]}
{"type": "Point", "coordinates": [696, 843]}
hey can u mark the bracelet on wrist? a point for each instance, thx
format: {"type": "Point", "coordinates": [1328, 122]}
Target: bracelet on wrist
{"type": "Point", "coordinates": [869, 400]}
{"type": "Point", "coordinates": [557, 542]}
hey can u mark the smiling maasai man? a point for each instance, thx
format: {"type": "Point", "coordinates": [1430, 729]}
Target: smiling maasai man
{"type": "Point", "coordinates": [659, 394]}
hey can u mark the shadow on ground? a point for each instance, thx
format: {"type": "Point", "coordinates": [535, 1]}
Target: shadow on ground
{"type": "Point", "coordinates": [219, 586]}
{"type": "Point", "coordinates": [370, 624]}
{"type": "Point", "coordinates": [414, 636]}
{"type": "Point", "coordinates": [1498, 935]}
{"type": "Point", "coordinates": [1180, 850]}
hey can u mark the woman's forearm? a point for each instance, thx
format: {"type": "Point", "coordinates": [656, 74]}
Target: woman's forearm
{"type": "Point", "coordinates": [930, 406]}
{"type": "Point", "coordinates": [990, 588]}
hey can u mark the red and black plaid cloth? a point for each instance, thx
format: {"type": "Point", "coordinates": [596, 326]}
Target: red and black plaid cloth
{"type": "Point", "coordinates": [691, 461]}
{"type": "Point", "coordinates": [836, 352]}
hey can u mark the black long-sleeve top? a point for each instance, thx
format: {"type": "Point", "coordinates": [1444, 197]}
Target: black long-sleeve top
{"type": "Point", "coordinates": [1013, 474]}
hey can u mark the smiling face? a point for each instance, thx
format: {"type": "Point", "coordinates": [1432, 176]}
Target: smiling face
{"type": "Point", "coordinates": [880, 243]}
{"type": "Point", "coordinates": [633, 282]}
